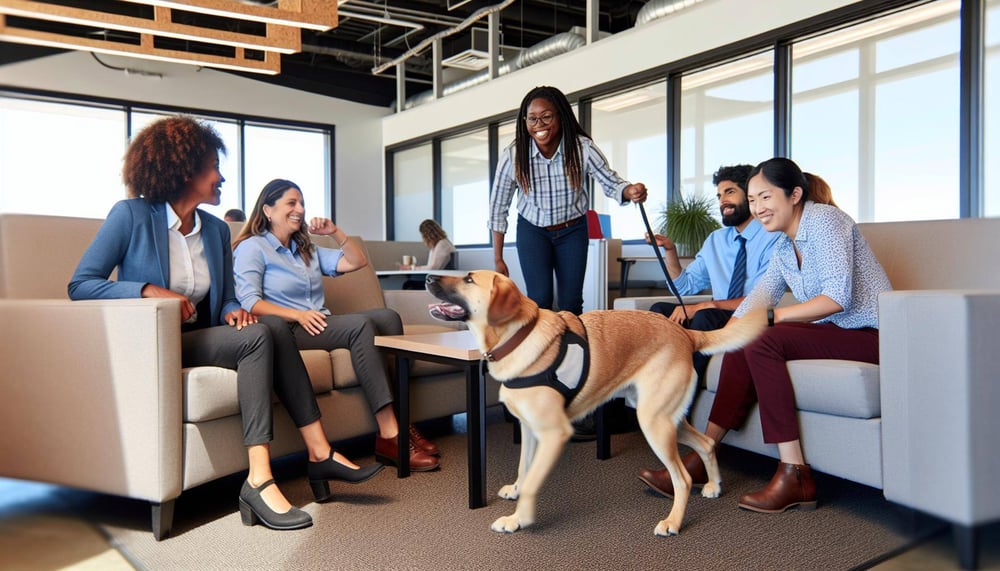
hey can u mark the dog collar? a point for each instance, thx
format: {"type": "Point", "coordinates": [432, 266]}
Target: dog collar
{"type": "Point", "coordinates": [500, 352]}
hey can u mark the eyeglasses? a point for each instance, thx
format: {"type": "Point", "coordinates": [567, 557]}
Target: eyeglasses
{"type": "Point", "coordinates": [542, 120]}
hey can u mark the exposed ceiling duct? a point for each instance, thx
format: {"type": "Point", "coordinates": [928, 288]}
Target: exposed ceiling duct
{"type": "Point", "coordinates": [546, 49]}
{"type": "Point", "coordinates": [655, 9]}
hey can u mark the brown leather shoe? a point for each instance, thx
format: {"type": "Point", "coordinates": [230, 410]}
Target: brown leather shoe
{"type": "Point", "coordinates": [792, 485]}
{"type": "Point", "coordinates": [659, 480]}
{"type": "Point", "coordinates": [387, 450]}
{"type": "Point", "coordinates": [422, 443]}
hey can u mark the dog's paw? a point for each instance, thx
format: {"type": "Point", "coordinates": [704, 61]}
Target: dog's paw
{"type": "Point", "coordinates": [711, 490]}
{"type": "Point", "coordinates": [506, 524]}
{"type": "Point", "coordinates": [508, 492]}
{"type": "Point", "coordinates": [665, 529]}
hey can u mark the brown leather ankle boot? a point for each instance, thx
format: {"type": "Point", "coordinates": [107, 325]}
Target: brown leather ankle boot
{"type": "Point", "coordinates": [792, 485]}
{"type": "Point", "coordinates": [659, 480]}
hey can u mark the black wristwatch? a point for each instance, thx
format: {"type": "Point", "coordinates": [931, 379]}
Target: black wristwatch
{"type": "Point", "coordinates": [770, 317]}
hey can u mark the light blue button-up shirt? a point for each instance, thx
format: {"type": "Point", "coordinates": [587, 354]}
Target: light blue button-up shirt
{"type": "Point", "coordinates": [266, 270]}
{"type": "Point", "coordinates": [713, 264]}
{"type": "Point", "coordinates": [836, 262]}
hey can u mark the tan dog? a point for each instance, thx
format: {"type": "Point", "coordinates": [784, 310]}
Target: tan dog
{"type": "Point", "coordinates": [641, 348]}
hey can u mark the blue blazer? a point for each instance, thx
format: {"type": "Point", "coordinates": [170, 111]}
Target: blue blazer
{"type": "Point", "coordinates": [133, 238]}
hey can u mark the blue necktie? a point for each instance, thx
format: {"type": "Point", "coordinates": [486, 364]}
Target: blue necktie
{"type": "Point", "coordinates": [739, 271]}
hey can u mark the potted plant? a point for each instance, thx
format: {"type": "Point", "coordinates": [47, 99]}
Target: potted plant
{"type": "Point", "coordinates": [688, 222]}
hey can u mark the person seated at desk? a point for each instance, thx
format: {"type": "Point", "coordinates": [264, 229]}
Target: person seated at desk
{"type": "Point", "coordinates": [279, 271]}
{"type": "Point", "coordinates": [441, 252]}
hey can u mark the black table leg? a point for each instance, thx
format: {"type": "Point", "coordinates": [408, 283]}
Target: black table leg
{"type": "Point", "coordinates": [403, 415]}
{"type": "Point", "coordinates": [603, 434]}
{"type": "Point", "coordinates": [475, 407]}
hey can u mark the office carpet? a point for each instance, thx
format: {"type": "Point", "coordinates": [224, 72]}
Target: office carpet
{"type": "Point", "coordinates": [591, 515]}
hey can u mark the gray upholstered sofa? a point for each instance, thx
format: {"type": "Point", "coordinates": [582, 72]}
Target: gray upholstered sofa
{"type": "Point", "coordinates": [922, 424]}
{"type": "Point", "coordinates": [94, 396]}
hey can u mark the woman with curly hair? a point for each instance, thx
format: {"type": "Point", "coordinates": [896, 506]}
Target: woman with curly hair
{"type": "Point", "coordinates": [547, 164]}
{"type": "Point", "coordinates": [164, 246]}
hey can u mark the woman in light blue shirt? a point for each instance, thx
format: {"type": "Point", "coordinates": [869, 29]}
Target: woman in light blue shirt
{"type": "Point", "coordinates": [833, 274]}
{"type": "Point", "coordinates": [279, 271]}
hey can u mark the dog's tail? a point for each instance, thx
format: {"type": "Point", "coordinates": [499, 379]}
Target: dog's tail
{"type": "Point", "coordinates": [734, 335]}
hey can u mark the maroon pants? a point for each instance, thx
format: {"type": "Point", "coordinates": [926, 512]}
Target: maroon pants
{"type": "Point", "coordinates": [759, 372]}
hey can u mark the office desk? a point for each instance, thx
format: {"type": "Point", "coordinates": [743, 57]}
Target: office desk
{"type": "Point", "coordinates": [388, 273]}
{"type": "Point", "coordinates": [627, 262]}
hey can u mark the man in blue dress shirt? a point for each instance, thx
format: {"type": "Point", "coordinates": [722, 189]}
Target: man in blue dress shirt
{"type": "Point", "coordinates": [720, 260]}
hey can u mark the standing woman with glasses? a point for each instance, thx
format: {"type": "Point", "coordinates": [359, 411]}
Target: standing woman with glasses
{"type": "Point", "coordinates": [547, 164]}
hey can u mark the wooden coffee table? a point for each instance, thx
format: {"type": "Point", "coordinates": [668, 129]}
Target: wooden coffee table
{"type": "Point", "coordinates": [451, 348]}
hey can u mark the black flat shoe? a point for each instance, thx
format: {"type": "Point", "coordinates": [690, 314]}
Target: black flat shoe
{"type": "Point", "coordinates": [254, 509]}
{"type": "Point", "coordinates": [320, 473]}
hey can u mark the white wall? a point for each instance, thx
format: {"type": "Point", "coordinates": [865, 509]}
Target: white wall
{"type": "Point", "coordinates": [703, 27]}
{"type": "Point", "coordinates": [359, 165]}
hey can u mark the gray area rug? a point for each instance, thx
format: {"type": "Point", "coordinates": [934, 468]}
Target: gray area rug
{"type": "Point", "coordinates": [592, 515]}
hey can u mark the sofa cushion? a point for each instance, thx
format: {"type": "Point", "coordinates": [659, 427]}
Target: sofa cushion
{"type": "Point", "coordinates": [828, 386]}
{"type": "Point", "coordinates": [210, 392]}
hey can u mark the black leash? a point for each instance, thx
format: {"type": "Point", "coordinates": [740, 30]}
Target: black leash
{"type": "Point", "coordinates": [670, 283]}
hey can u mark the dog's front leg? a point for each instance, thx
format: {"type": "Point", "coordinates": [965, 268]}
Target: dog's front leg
{"type": "Point", "coordinates": [550, 444]}
{"type": "Point", "coordinates": [528, 444]}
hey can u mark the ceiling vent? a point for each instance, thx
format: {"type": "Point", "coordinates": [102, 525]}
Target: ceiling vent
{"type": "Point", "coordinates": [474, 53]}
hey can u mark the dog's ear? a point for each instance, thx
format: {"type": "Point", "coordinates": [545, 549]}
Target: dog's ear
{"type": "Point", "coordinates": [505, 301]}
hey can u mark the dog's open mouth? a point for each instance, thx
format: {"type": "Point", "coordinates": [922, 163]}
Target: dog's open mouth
{"type": "Point", "coordinates": [447, 311]}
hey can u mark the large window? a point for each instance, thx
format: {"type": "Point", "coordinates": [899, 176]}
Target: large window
{"type": "Point", "coordinates": [876, 113]}
{"type": "Point", "coordinates": [413, 190]}
{"type": "Point", "coordinates": [505, 137]}
{"type": "Point", "coordinates": [727, 118]}
{"type": "Point", "coordinates": [62, 157]}
{"type": "Point", "coordinates": [465, 187]}
{"type": "Point", "coordinates": [991, 131]}
{"type": "Point", "coordinates": [630, 129]}
{"type": "Point", "coordinates": [299, 155]}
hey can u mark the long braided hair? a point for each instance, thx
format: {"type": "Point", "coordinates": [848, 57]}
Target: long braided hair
{"type": "Point", "coordinates": [571, 131]}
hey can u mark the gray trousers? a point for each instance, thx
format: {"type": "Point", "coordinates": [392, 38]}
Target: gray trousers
{"type": "Point", "coordinates": [266, 359]}
{"type": "Point", "coordinates": [356, 332]}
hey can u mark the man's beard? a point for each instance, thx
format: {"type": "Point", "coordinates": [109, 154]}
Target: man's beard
{"type": "Point", "coordinates": [741, 212]}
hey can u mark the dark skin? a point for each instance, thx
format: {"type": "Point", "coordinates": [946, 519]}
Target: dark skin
{"type": "Point", "coordinates": [545, 129]}
{"type": "Point", "coordinates": [202, 189]}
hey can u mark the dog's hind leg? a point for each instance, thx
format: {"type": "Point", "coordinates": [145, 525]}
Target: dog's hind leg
{"type": "Point", "coordinates": [705, 447]}
{"type": "Point", "coordinates": [661, 434]}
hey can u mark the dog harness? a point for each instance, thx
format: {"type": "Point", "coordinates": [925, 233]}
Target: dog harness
{"type": "Point", "coordinates": [566, 374]}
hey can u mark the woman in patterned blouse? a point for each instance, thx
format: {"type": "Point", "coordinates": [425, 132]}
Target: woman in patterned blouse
{"type": "Point", "coordinates": [833, 274]}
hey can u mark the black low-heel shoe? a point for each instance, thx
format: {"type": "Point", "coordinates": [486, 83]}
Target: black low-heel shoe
{"type": "Point", "coordinates": [254, 509]}
{"type": "Point", "coordinates": [320, 473]}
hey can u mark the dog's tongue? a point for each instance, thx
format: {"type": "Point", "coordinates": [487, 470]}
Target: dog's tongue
{"type": "Point", "coordinates": [446, 311]}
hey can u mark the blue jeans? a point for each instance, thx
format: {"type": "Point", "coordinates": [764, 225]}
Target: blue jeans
{"type": "Point", "coordinates": [564, 252]}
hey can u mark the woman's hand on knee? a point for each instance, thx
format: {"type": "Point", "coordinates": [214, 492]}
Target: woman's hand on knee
{"type": "Point", "coordinates": [314, 322]}
{"type": "Point", "coordinates": [240, 318]}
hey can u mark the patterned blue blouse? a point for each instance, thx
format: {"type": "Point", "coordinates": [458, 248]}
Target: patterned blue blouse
{"type": "Point", "coordinates": [836, 262]}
